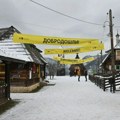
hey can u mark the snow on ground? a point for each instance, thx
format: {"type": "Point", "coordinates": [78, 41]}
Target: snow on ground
{"type": "Point", "coordinates": [68, 99]}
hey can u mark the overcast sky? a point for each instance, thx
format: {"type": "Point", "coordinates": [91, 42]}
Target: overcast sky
{"type": "Point", "coordinates": [35, 19]}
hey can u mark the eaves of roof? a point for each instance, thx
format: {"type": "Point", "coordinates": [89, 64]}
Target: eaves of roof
{"type": "Point", "coordinates": [15, 51]}
{"type": "Point", "coordinates": [105, 58]}
{"type": "Point", "coordinates": [8, 59]}
{"type": "Point", "coordinates": [42, 58]}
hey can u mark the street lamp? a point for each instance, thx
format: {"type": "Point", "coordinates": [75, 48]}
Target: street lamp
{"type": "Point", "coordinates": [117, 38]}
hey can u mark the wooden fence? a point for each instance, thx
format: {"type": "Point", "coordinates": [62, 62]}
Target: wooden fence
{"type": "Point", "coordinates": [105, 81]}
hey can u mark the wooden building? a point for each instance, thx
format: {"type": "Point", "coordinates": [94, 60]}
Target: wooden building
{"type": "Point", "coordinates": [24, 77]}
{"type": "Point", "coordinates": [74, 67]}
{"type": "Point", "coordinates": [106, 63]}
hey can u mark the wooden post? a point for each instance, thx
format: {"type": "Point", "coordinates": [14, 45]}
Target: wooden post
{"type": "Point", "coordinates": [7, 80]}
{"type": "Point", "coordinates": [112, 50]}
{"type": "Point", "coordinates": [101, 60]}
{"type": "Point", "coordinates": [103, 84]}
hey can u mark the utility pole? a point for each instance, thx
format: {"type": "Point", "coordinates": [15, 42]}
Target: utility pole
{"type": "Point", "coordinates": [98, 63]}
{"type": "Point", "coordinates": [101, 60]}
{"type": "Point", "coordinates": [112, 50]}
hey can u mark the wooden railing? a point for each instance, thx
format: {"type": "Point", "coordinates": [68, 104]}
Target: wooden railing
{"type": "Point", "coordinates": [105, 81]}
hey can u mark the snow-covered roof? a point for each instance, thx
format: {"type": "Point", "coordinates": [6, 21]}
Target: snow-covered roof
{"type": "Point", "coordinates": [105, 58]}
{"type": "Point", "coordinates": [14, 50]}
{"type": "Point", "coordinates": [117, 46]}
{"type": "Point", "coordinates": [18, 51]}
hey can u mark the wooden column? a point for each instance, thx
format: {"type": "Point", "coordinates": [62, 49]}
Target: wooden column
{"type": "Point", "coordinates": [7, 80]}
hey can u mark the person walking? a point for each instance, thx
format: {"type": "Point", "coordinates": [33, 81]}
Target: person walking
{"type": "Point", "coordinates": [85, 73]}
{"type": "Point", "coordinates": [78, 73]}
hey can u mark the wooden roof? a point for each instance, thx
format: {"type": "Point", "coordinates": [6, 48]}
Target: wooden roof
{"type": "Point", "coordinates": [7, 32]}
{"type": "Point", "coordinates": [8, 59]}
{"type": "Point", "coordinates": [19, 51]}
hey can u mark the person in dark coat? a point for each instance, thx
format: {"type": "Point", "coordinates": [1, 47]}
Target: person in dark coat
{"type": "Point", "coordinates": [78, 73]}
{"type": "Point", "coordinates": [85, 73]}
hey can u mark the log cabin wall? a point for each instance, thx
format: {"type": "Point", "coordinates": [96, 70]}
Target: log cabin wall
{"type": "Point", "coordinates": [107, 63]}
{"type": "Point", "coordinates": [42, 72]}
{"type": "Point", "coordinates": [24, 74]}
{"type": "Point", "coordinates": [117, 60]}
{"type": "Point", "coordinates": [2, 83]}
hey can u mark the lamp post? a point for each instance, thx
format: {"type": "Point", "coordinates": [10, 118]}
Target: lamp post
{"type": "Point", "coordinates": [98, 63]}
{"type": "Point", "coordinates": [101, 53]}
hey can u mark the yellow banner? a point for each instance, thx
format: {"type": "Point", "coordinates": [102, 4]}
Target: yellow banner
{"type": "Point", "coordinates": [75, 61]}
{"type": "Point", "coordinates": [88, 59]}
{"type": "Point", "coordinates": [56, 58]}
{"type": "Point", "coordinates": [33, 39]}
{"type": "Point", "coordinates": [89, 48]}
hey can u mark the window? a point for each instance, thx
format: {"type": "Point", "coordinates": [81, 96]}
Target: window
{"type": "Point", "coordinates": [117, 67]}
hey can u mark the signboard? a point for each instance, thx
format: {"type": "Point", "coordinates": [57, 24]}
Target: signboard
{"type": "Point", "coordinates": [87, 48]}
{"type": "Point", "coordinates": [49, 40]}
{"type": "Point", "coordinates": [73, 61]}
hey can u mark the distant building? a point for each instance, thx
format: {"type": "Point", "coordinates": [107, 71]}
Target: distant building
{"type": "Point", "coordinates": [75, 66]}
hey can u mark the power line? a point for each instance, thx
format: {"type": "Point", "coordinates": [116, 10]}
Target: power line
{"type": "Point", "coordinates": [33, 24]}
{"type": "Point", "coordinates": [65, 14]}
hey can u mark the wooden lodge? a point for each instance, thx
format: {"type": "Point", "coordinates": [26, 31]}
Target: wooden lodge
{"type": "Point", "coordinates": [106, 63]}
{"type": "Point", "coordinates": [24, 76]}
{"type": "Point", "coordinates": [74, 67]}
{"type": "Point", "coordinates": [109, 78]}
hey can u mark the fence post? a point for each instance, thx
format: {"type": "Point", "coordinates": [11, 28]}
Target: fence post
{"type": "Point", "coordinates": [103, 84]}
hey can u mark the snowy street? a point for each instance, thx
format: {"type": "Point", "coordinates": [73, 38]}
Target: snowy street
{"type": "Point", "coordinates": [68, 99]}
